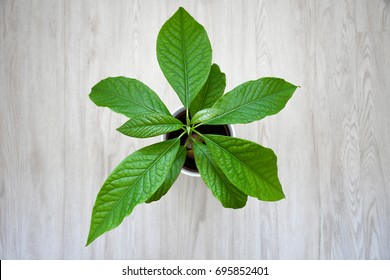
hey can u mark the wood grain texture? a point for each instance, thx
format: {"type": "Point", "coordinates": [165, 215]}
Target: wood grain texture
{"type": "Point", "coordinates": [332, 139]}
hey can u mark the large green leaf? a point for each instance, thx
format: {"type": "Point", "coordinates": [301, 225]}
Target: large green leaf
{"type": "Point", "coordinates": [172, 175]}
{"type": "Point", "coordinates": [249, 166]}
{"type": "Point", "coordinates": [127, 96]}
{"type": "Point", "coordinates": [252, 101]}
{"type": "Point", "coordinates": [184, 55]}
{"type": "Point", "coordinates": [150, 125]}
{"type": "Point", "coordinates": [216, 181]}
{"type": "Point", "coordinates": [132, 182]}
{"type": "Point", "coordinates": [212, 90]}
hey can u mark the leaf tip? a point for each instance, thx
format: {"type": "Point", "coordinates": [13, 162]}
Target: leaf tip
{"type": "Point", "coordinates": [181, 10]}
{"type": "Point", "coordinates": [91, 96]}
{"type": "Point", "coordinates": [92, 235]}
{"type": "Point", "coordinates": [119, 129]}
{"type": "Point", "coordinates": [89, 241]}
{"type": "Point", "coordinates": [282, 196]}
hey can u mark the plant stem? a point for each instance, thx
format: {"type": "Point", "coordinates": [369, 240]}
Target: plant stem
{"type": "Point", "coordinates": [188, 126]}
{"type": "Point", "coordinates": [199, 124]}
{"type": "Point", "coordinates": [188, 117]}
{"type": "Point", "coordinates": [200, 134]}
{"type": "Point", "coordinates": [182, 134]}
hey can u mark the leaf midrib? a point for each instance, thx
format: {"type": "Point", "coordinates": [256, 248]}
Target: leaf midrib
{"type": "Point", "coordinates": [155, 124]}
{"type": "Point", "coordinates": [182, 41]}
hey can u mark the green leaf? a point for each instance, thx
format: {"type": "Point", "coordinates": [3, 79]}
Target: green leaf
{"type": "Point", "coordinates": [212, 90]}
{"type": "Point", "coordinates": [150, 125]}
{"type": "Point", "coordinates": [127, 96]}
{"type": "Point", "coordinates": [253, 101]}
{"type": "Point", "coordinates": [204, 115]}
{"type": "Point", "coordinates": [249, 166]}
{"type": "Point", "coordinates": [184, 55]}
{"type": "Point", "coordinates": [216, 181]}
{"type": "Point", "coordinates": [172, 175]}
{"type": "Point", "coordinates": [132, 182]}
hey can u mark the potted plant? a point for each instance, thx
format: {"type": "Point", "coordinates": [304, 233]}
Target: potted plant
{"type": "Point", "coordinates": [232, 168]}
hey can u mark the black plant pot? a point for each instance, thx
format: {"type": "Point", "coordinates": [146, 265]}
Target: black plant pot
{"type": "Point", "coordinates": [189, 167]}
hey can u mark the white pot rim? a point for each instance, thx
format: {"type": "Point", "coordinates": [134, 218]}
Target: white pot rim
{"type": "Point", "coordinates": [183, 170]}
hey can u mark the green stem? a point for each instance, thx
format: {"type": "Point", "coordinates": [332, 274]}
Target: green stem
{"type": "Point", "coordinates": [199, 124]}
{"type": "Point", "coordinates": [188, 127]}
{"type": "Point", "coordinates": [188, 117]}
{"type": "Point", "coordinates": [183, 133]}
{"type": "Point", "coordinates": [200, 134]}
{"type": "Point", "coordinates": [185, 144]}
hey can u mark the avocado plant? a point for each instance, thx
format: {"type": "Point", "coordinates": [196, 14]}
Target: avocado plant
{"type": "Point", "coordinates": [232, 168]}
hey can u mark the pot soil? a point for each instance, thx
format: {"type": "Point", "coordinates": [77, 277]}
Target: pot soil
{"type": "Point", "coordinates": [203, 129]}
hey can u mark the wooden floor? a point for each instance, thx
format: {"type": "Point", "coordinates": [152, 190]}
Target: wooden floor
{"type": "Point", "coordinates": [332, 139]}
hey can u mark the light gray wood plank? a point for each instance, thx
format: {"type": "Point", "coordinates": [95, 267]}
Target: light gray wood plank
{"type": "Point", "coordinates": [32, 129]}
{"type": "Point", "coordinates": [336, 68]}
{"type": "Point", "coordinates": [372, 15]}
{"type": "Point", "coordinates": [372, 162]}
